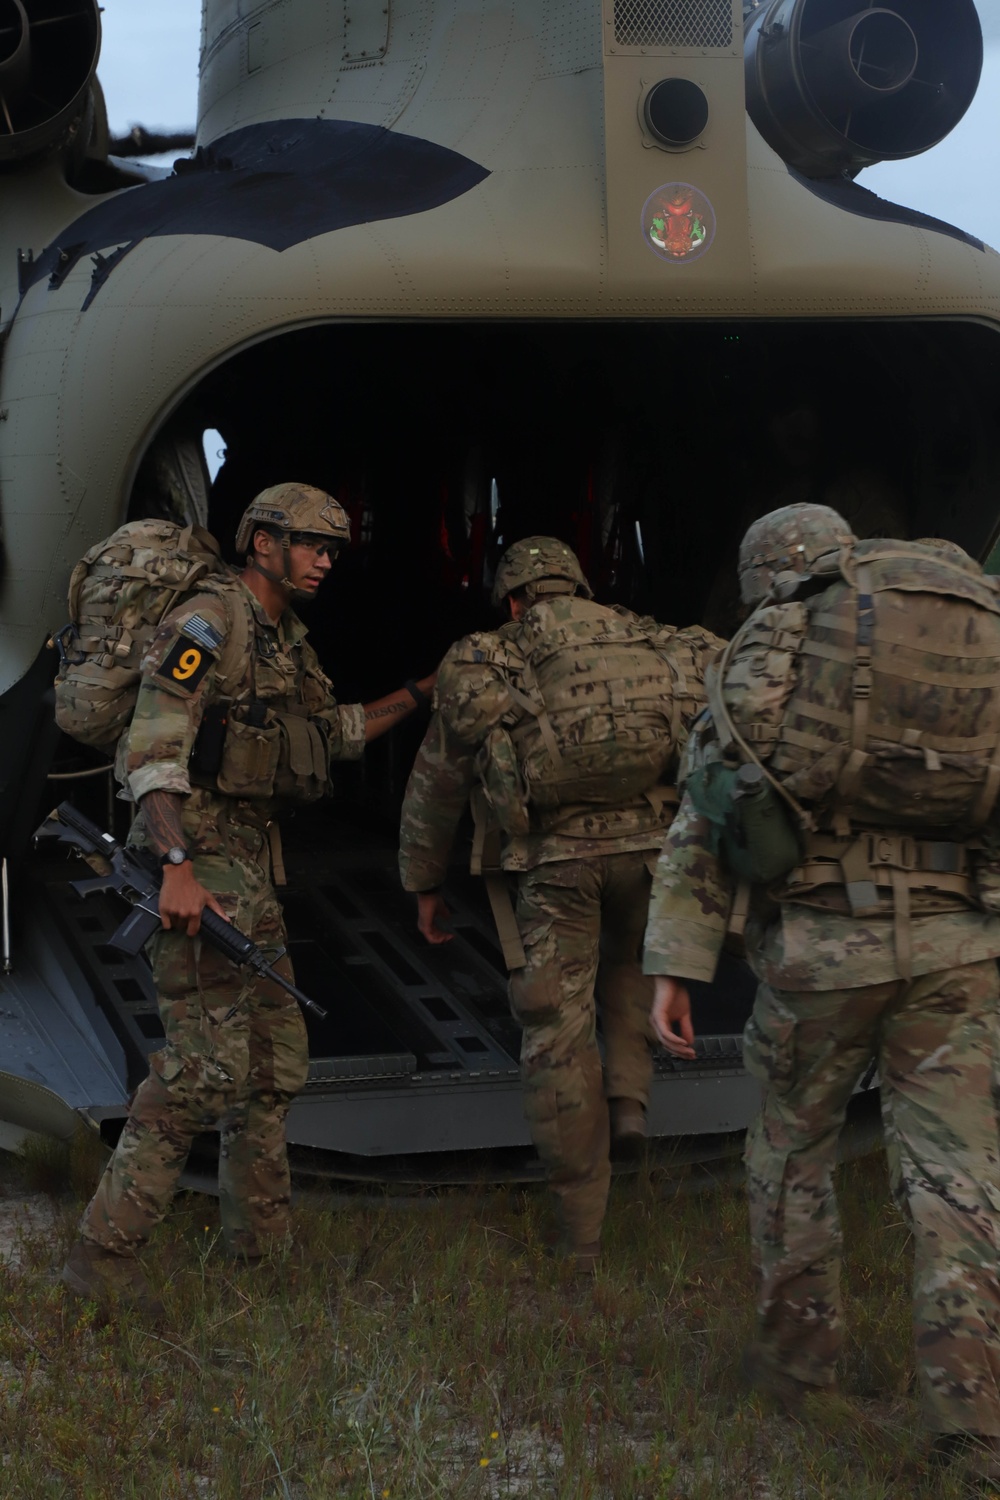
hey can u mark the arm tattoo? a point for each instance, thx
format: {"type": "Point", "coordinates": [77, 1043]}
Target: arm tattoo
{"type": "Point", "coordinates": [399, 707]}
{"type": "Point", "coordinates": [162, 814]}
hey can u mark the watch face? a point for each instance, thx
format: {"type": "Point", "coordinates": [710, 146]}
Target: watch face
{"type": "Point", "coordinates": [177, 856]}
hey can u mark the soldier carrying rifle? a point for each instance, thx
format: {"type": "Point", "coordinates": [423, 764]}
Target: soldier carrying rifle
{"type": "Point", "coordinates": [234, 718]}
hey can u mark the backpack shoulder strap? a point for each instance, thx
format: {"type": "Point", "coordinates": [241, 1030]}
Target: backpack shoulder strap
{"type": "Point", "coordinates": [486, 862]}
{"type": "Point", "coordinates": [728, 733]}
{"type": "Point", "coordinates": [235, 650]}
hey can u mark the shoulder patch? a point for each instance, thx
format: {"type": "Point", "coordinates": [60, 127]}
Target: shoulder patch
{"type": "Point", "coordinates": [184, 666]}
{"type": "Point", "coordinates": [205, 634]}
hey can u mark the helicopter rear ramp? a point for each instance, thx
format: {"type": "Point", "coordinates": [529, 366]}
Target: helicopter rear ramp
{"type": "Point", "coordinates": [416, 1059]}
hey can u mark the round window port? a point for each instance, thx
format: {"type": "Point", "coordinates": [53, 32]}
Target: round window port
{"type": "Point", "coordinates": [675, 111]}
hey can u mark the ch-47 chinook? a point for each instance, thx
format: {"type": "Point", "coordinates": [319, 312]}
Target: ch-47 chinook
{"type": "Point", "coordinates": [481, 268]}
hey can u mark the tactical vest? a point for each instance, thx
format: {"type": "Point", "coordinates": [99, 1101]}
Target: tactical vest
{"type": "Point", "coordinates": [259, 737]}
{"type": "Point", "coordinates": [875, 708]}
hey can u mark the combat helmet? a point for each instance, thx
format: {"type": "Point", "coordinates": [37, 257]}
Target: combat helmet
{"type": "Point", "coordinates": [788, 546]}
{"type": "Point", "coordinates": [293, 510]}
{"type": "Point", "coordinates": [541, 565]}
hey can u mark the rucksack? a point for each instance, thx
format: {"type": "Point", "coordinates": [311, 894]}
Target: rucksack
{"type": "Point", "coordinates": [876, 701]}
{"type": "Point", "coordinates": [119, 592]}
{"type": "Point", "coordinates": [603, 708]}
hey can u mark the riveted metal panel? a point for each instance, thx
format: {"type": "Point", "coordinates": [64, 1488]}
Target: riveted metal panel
{"type": "Point", "coordinates": [366, 30]}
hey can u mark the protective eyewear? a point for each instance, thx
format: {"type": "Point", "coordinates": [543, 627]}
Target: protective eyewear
{"type": "Point", "coordinates": [319, 546]}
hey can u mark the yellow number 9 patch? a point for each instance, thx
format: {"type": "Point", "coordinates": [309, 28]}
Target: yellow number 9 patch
{"type": "Point", "coordinates": [183, 666]}
{"type": "Point", "coordinates": [187, 666]}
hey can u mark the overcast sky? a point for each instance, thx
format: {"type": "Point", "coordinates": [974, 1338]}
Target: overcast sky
{"type": "Point", "coordinates": [149, 71]}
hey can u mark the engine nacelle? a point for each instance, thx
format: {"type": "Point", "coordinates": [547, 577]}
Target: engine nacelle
{"type": "Point", "coordinates": [48, 54]}
{"type": "Point", "coordinates": [834, 86]}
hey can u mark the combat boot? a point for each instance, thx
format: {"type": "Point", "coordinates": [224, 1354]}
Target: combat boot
{"type": "Point", "coordinates": [579, 1259]}
{"type": "Point", "coordinates": [100, 1275]}
{"type": "Point", "coordinates": [974, 1455]}
{"type": "Point", "coordinates": [628, 1129]}
{"type": "Point", "coordinates": [585, 1259]}
{"type": "Point", "coordinates": [792, 1395]}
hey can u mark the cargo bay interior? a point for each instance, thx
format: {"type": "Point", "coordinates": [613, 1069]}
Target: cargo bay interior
{"type": "Point", "coordinates": [649, 447]}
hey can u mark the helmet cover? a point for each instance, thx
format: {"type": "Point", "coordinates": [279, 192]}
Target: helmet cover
{"type": "Point", "coordinates": [536, 558]}
{"type": "Point", "coordinates": [293, 507]}
{"type": "Point", "coordinates": [798, 540]}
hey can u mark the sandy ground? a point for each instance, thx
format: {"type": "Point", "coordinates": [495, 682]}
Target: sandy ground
{"type": "Point", "coordinates": [22, 1216]}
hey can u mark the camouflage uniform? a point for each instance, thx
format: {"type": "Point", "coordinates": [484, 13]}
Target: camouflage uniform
{"type": "Point", "coordinates": [236, 1052]}
{"type": "Point", "coordinates": [831, 1000]}
{"type": "Point", "coordinates": [582, 891]}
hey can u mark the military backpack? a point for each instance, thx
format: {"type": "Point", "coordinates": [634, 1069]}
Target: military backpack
{"type": "Point", "coordinates": [599, 711]}
{"type": "Point", "coordinates": [119, 592]}
{"type": "Point", "coordinates": [879, 695]}
{"type": "Point", "coordinates": [872, 707]}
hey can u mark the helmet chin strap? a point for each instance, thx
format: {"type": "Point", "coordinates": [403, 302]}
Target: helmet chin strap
{"type": "Point", "coordinates": [282, 580]}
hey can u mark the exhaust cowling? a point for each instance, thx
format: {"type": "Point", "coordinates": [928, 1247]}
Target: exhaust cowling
{"type": "Point", "coordinates": [48, 55]}
{"type": "Point", "coordinates": [834, 85]}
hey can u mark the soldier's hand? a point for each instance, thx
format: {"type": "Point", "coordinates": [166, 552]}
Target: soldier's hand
{"type": "Point", "coordinates": [431, 912]}
{"type": "Point", "coordinates": [426, 684]}
{"type": "Point", "coordinates": [671, 1017]}
{"type": "Point", "coordinates": [183, 899]}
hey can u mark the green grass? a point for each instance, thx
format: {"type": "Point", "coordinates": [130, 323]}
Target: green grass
{"type": "Point", "coordinates": [431, 1349]}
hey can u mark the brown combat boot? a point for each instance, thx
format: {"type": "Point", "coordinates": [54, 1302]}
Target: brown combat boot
{"type": "Point", "coordinates": [585, 1259]}
{"type": "Point", "coordinates": [792, 1395]}
{"type": "Point", "coordinates": [580, 1260]}
{"type": "Point", "coordinates": [974, 1455]}
{"type": "Point", "coordinates": [628, 1129]}
{"type": "Point", "coordinates": [100, 1275]}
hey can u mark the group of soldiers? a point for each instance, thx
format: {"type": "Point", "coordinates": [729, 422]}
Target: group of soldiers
{"type": "Point", "coordinates": [624, 892]}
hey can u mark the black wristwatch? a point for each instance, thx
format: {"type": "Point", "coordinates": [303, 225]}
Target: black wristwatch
{"type": "Point", "coordinates": [174, 856]}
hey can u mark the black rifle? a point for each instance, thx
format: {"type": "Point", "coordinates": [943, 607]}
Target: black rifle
{"type": "Point", "coordinates": [139, 882]}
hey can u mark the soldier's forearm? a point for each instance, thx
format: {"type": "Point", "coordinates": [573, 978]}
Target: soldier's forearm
{"type": "Point", "coordinates": [385, 713]}
{"type": "Point", "coordinates": [163, 815]}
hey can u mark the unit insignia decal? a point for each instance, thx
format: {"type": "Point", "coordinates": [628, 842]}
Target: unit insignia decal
{"type": "Point", "coordinates": [678, 222]}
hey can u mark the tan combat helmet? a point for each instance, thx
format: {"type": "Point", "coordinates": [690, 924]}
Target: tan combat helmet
{"type": "Point", "coordinates": [539, 565]}
{"type": "Point", "coordinates": [298, 512]}
{"type": "Point", "coordinates": [789, 546]}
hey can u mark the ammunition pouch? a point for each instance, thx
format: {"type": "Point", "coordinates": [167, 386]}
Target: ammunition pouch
{"type": "Point", "coordinates": [753, 833]}
{"type": "Point", "coordinates": [273, 753]}
{"type": "Point", "coordinates": [303, 761]}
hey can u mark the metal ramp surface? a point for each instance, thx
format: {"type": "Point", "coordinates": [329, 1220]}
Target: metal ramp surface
{"type": "Point", "coordinates": [418, 1054]}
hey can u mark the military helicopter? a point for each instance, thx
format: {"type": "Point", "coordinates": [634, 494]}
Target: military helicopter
{"type": "Point", "coordinates": [598, 268]}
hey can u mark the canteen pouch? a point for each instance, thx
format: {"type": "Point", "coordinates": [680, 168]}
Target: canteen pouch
{"type": "Point", "coordinates": [750, 828]}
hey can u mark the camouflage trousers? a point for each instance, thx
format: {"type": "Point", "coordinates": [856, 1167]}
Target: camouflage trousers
{"type": "Point", "coordinates": [238, 1070]}
{"type": "Point", "coordinates": [935, 1040]}
{"type": "Point", "coordinates": [582, 923]}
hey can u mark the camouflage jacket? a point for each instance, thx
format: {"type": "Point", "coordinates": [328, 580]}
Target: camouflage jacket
{"type": "Point", "coordinates": [181, 677]}
{"type": "Point", "coordinates": [471, 699]}
{"type": "Point", "coordinates": [790, 945]}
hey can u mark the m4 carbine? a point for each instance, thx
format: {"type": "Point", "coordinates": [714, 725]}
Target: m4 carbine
{"type": "Point", "coordinates": [139, 883]}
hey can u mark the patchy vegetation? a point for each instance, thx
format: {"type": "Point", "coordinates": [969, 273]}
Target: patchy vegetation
{"type": "Point", "coordinates": [429, 1348]}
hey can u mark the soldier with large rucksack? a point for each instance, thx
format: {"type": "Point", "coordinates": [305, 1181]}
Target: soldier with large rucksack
{"type": "Point", "coordinates": [565, 727]}
{"type": "Point", "coordinates": [839, 815]}
{"type": "Point", "coordinates": [222, 716]}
